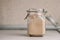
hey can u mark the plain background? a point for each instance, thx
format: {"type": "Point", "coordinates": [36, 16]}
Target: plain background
{"type": "Point", "coordinates": [12, 12]}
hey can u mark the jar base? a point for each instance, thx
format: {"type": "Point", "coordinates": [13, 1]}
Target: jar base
{"type": "Point", "coordinates": [35, 35]}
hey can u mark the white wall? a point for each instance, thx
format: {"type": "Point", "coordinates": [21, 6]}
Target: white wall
{"type": "Point", "coordinates": [12, 12]}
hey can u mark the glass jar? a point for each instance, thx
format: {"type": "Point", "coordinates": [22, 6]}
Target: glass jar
{"type": "Point", "coordinates": [35, 22]}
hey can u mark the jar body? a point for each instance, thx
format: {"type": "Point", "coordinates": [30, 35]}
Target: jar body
{"type": "Point", "coordinates": [36, 24]}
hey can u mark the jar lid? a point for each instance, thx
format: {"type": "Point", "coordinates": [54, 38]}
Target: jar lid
{"type": "Point", "coordinates": [37, 10]}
